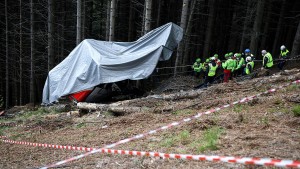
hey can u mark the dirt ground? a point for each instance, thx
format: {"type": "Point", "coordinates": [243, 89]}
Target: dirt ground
{"type": "Point", "coordinates": [264, 127]}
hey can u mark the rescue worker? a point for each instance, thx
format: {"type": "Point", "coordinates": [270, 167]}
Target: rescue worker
{"type": "Point", "coordinates": [220, 76]}
{"type": "Point", "coordinates": [267, 61]}
{"type": "Point", "coordinates": [212, 70]}
{"type": "Point", "coordinates": [204, 68]}
{"type": "Point", "coordinates": [218, 61]}
{"type": "Point", "coordinates": [249, 66]}
{"type": "Point", "coordinates": [228, 67]}
{"type": "Point", "coordinates": [240, 64]}
{"type": "Point", "coordinates": [284, 54]}
{"type": "Point", "coordinates": [197, 67]}
{"type": "Point", "coordinates": [226, 56]}
{"type": "Point", "coordinates": [247, 53]}
{"type": "Point", "coordinates": [233, 72]}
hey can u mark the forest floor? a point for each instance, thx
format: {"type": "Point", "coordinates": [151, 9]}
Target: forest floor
{"type": "Point", "coordinates": [268, 126]}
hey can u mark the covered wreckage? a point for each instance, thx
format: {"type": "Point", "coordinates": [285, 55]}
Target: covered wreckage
{"type": "Point", "coordinates": [95, 62]}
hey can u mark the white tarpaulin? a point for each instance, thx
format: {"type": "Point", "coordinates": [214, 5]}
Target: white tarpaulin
{"type": "Point", "coordinates": [95, 62]}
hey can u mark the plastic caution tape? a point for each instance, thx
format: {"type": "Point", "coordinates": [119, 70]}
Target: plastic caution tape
{"type": "Point", "coordinates": [47, 145]}
{"type": "Point", "coordinates": [227, 159]}
{"type": "Point", "coordinates": [246, 99]}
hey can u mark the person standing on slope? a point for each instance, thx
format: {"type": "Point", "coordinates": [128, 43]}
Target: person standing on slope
{"type": "Point", "coordinates": [283, 56]}
{"type": "Point", "coordinates": [267, 61]}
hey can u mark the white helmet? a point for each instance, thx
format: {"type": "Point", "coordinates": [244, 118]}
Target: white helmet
{"type": "Point", "coordinates": [263, 52]}
{"type": "Point", "coordinates": [212, 58]}
{"type": "Point", "coordinates": [282, 47]}
{"type": "Point", "coordinates": [248, 59]}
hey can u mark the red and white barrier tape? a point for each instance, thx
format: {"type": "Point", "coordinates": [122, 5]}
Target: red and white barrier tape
{"type": "Point", "coordinates": [227, 159]}
{"type": "Point", "coordinates": [243, 100]}
{"type": "Point", "coordinates": [47, 145]}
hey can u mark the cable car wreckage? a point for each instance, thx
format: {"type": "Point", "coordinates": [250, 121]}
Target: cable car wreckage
{"type": "Point", "coordinates": [89, 72]}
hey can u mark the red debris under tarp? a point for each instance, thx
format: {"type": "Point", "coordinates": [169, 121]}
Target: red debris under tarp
{"type": "Point", "coordinates": [80, 96]}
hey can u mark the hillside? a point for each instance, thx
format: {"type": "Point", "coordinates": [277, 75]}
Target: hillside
{"type": "Point", "coordinates": [267, 126]}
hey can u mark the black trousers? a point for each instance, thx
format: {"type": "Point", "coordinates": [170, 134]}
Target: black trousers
{"type": "Point", "coordinates": [209, 79]}
{"type": "Point", "coordinates": [281, 64]}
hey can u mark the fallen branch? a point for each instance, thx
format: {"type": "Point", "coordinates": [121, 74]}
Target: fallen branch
{"type": "Point", "coordinates": [121, 110]}
{"type": "Point", "coordinates": [180, 95]}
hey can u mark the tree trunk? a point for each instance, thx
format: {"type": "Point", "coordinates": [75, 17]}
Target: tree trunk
{"type": "Point", "coordinates": [32, 53]}
{"type": "Point", "coordinates": [21, 57]}
{"type": "Point", "coordinates": [62, 36]}
{"type": "Point", "coordinates": [78, 26]}
{"type": "Point", "coordinates": [130, 21]}
{"type": "Point", "coordinates": [266, 28]}
{"type": "Point", "coordinates": [147, 24]}
{"type": "Point", "coordinates": [246, 23]}
{"type": "Point", "coordinates": [90, 19]}
{"type": "Point", "coordinates": [233, 33]}
{"type": "Point", "coordinates": [6, 59]}
{"type": "Point", "coordinates": [16, 77]}
{"type": "Point", "coordinates": [83, 20]}
{"type": "Point", "coordinates": [209, 29]}
{"type": "Point", "coordinates": [50, 35]}
{"type": "Point", "coordinates": [188, 34]}
{"type": "Point", "coordinates": [278, 29]}
{"type": "Point", "coordinates": [101, 18]}
{"type": "Point", "coordinates": [143, 21]}
{"type": "Point", "coordinates": [112, 20]}
{"type": "Point", "coordinates": [183, 20]}
{"type": "Point", "coordinates": [158, 13]}
{"type": "Point", "coordinates": [257, 26]}
{"type": "Point", "coordinates": [107, 20]}
{"type": "Point", "coordinates": [296, 43]}
{"type": "Point", "coordinates": [121, 110]}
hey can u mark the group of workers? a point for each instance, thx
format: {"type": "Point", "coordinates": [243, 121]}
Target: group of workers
{"type": "Point", "coordinates": [237, 64]}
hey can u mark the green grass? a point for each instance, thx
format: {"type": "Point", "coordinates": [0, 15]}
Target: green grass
{"type": "Point", "coordinates": [184, 111]}
{"type": "Point", "coordinates": [210, 139]}
{"type": "Point", "coordinates": [6, 120]}
{"type": "Point", "coordinates": [238, 108]}
{"type": "Point", "coordinates": [33, 114]}
{"type": "Point", "coordinates": [171, 140]}
{"type": "Point", "coordinates": [296, 110]}
{"type": "Point", "coordinates": [185, 143]}
{"type": "Point", "coordinates": [168, 142]}
{"type": "Point", "coordinates": [183, 137]}
{"type": "Point", "coordinates": [2, 129]}
{"type": "Point", "coordinates": [293, 87]}
{"type": "Point", "coordinates": [277, 101]}
{"type": "Point", "coordinates": [16, 136]}
{"type": "Point", "coordinates": [264, 121]}
{"type": "Point", "coordinates": [80, 125]}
